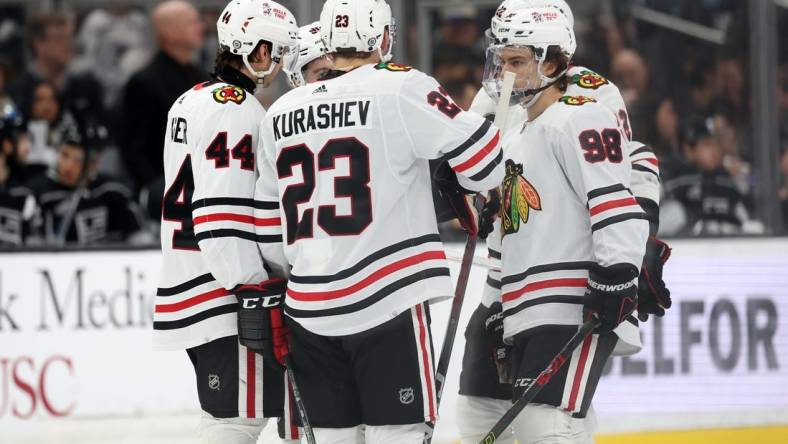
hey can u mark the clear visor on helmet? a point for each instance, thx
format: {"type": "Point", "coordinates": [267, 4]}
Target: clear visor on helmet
{"type": "Point", "coordinates": [520, 60]}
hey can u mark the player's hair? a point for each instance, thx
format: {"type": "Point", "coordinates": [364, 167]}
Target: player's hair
{"type": "Point", "coordinates": [352, 55]}
{"type": "Point", "coordinates": [226, 59]}
{"type": "Point", "coordinates": [39, 25]}
{"type": "Point", "coordinates": [561, 61]}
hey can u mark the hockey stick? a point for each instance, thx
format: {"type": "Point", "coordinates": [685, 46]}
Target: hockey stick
{"type": "Point", "coordinates": [481, 261]}
{"type": "Point", "coordinates": [465, 268]}
{"type": "Point", "coordinates": [540, 381]}
{"type": "Point", "coordinates": [310, 435]}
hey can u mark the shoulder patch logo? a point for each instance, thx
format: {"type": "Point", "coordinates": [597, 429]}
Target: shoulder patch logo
{"type": "Point", "coordinates": [588, 80]}
{"type": "Point", "coordinates": [576, 100]}
{"type": "Point", "coordinates": [395, 67]}
{"type": "Point", "coordinates": [229, 93]}
{"type": "Point", "coordinates": [519, 198]}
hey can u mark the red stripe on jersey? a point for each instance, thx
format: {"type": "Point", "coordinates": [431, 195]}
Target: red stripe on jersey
{"type": "Point", "coordinates": [625, 202]}
{"type": "Point", "coordinates": [468, 164]}
{"type": "Point", "coordinates": [426, 359]}
{"type": "Point", "coordinates": [245, 219]}
{"type": "Point", "coordinates": [541, 285]}
{"type": "Point", "coordinates": [251, 381]}
{"type": "Point", "coordinates": [192, 301]}
{"type": "Point", "coordinates": [650, 160]}
{"type": "Point", "coordinates": [369, 280]}
{"type": "Point", "coordinates": [581, 364]}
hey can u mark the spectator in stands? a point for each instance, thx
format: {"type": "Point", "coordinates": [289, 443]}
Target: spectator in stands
{"type": "Point", "coordinates": [151, 92]}
{"type": "Point", "coordinates": [17, 205]}
{"type": "Point", "coordinates": [46, 121]}
{"type": "Point", "coordinates": [51, 41]}
{"type": "Point", "coordinates": [79, 206]}
{"type": "Point", "coordinates": [115, 42]}
{"type": "Point", "coordinates": [705, 201]}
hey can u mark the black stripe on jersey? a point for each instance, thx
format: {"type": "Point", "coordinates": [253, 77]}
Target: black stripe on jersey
{"type": "Point", "coordinates": [558, 266]}
{"type": "Point", "coordinates": [227, 232]}
{"type": "Point", "coordinates": [476, 137]}
{"type": "Point", "coordinates": [372, 299]}
{"type": "Point", "coordinates": [494, 254]}
{"type": "Point", "coordinates": [641, 150]}
{"type": "Point", "coordinates": [235, 201]}
{"type": "Point", "coordinates": [387, 251]}
{"type": "Point", "coordinates": [593, 194]}
{"type": "Point", "coordinates": [493, 283]}
{"type": "Point", "coordinates": [552, 299]}
{"type": "Point", "coordinates": [616, 219]}
{"type": "Point", "coordinates": [191, 320]}
{"type": "Point", "coordinates": [186, 286]}
{"type": "Point", "coordinates": [644, 169]}
{"type": "Point", "coordinates": [488, 169]}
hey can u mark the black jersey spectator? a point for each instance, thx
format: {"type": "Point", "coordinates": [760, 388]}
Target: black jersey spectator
{"type": "Point", "coordinates": [78, 206]}
{"type": "Point", "coordinates": [17, 205]}
{"type": "Point", "coordinates": [705, 200]}
{"type": "Point", "coordinates": [51, 41]}
{"type": "Point", "coordinates": [151, 92]}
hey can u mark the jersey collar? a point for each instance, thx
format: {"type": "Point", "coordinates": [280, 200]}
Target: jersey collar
{"type": "Point", "coordinates": [235, 77]}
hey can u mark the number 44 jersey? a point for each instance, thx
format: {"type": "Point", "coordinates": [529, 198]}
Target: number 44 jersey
{"type": "Point", "coordinates": [208, 235]}
{"type": "Point", "coordinates": [347, 158]}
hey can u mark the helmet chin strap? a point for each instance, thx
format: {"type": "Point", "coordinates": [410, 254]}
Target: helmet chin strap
{"type": "Point", "coordinates": [547, 82]}
{"type": "Point", "coordinates": [259, 76]}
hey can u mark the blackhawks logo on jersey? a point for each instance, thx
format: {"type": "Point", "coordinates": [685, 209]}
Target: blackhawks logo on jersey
{"type": "Point", "coordinates": [588, 80]}
{"type": "Point", "coordinates": [576, 100]}
{"type": "Point", "coordinates": [229, 93]}
{"type": "Point", "coordinates": [395, 67]}
{"type": "Point", "coordinates": [519, 198]}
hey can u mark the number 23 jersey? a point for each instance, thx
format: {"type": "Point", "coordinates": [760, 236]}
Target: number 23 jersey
{"type": "Point", "coordinates": [348, 160]}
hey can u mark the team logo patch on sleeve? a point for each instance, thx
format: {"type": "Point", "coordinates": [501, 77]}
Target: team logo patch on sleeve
{"type": "Point", "coordinates": [576, 100]}
{"type": "Point", "coordinates": [395, 67]}
{"type": "Point", "coordinates": [519, 198]}
{"type": "Point", "coordinates": [229, 93]}
{"type": "Point", "coordinates": [588, 80]}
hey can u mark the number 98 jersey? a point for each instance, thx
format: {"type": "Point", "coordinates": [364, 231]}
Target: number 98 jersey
{"type": "Point", "coordinates": [208, 235]}
{"type": "Point", "coordinates": [348, 160]}
{"type": "Point", "coordinates": [566, 205]}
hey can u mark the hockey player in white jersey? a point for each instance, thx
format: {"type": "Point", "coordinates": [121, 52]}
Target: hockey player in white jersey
{"type": "Point", "coordinates": [208, 233]}
{"type": "Point", "coordinates": [571, 230]}
{"type": "Point", "coordinates": [351, 156]}
{"type": "Point", "coordinates": [311, 62]}
{"type": "Point", "coordinates": [483, 398]}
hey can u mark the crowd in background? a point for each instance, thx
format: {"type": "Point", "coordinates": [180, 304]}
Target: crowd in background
{"type": "Point", "coordinates": [84, 99]}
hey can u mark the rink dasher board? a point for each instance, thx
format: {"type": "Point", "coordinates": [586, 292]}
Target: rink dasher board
{"type": "Point", "coordinates": [75, 342]}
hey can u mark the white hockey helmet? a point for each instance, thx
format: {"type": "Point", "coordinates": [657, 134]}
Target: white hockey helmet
{"type": "Point", "coordinates": [310, 48]}
{"type": "Point", "coordinates": [244, 23]}
{"type": "Point", "coordinates": [534, 24]}
{"type": "Point", "coordinates": [357, 26]}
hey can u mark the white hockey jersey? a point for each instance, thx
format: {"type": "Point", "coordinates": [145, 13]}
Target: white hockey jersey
{"type": "Point", "coordinates": [351, 156]}
{"type": "Point", "coordinates": [208, 235]}
{"type": "Point", "coordinates": [566, 204]}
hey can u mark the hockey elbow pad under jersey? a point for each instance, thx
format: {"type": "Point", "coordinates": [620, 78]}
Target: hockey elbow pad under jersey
{"type": "Point", "coordinates": [261, 325]}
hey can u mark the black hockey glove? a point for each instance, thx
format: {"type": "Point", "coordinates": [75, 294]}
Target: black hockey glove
{"type": "Point", "coordinates": [653, 295]}
{"type": "Point", "coordinates": [611, 294]}
{"type": "Point", "coordinates": [261, 325]}
{"type": "Point", "coordinates": [452, 201]}
{"type": "Point", "coordinates": [493, 326]}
